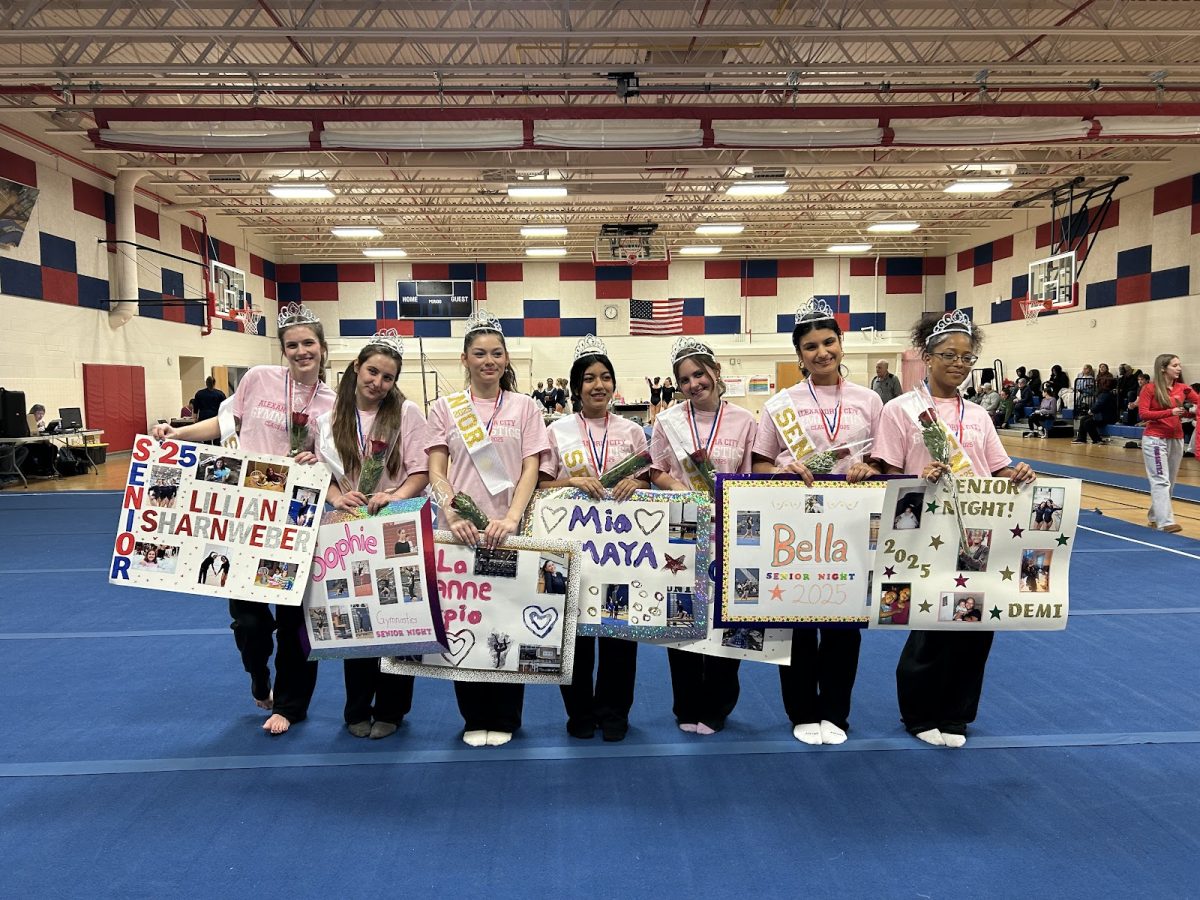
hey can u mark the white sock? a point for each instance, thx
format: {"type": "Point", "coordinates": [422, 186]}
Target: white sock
{"type": "Point", "coordinates": [808, 733]}
{"type": "Point", "coordinates": [496, 738]}
{"type": "Point", "coordinates": [689, 727]}
{"type": "Point", "coordinates": [475, 738]}
{"type": "Point", "coordinates": [954, 740]}
{"type": "Point", "coordinates": [831, 734]}
{"type": "Point", "coordinates": [703, 729]}
{"type": "Point", "coordinates": [932, 736]}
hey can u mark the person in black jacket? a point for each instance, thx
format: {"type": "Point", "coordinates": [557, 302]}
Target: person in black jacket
{"type": "Point", "coordinates": [1103, 412]}
{"type": "Point", "coordinates": [207, 400]}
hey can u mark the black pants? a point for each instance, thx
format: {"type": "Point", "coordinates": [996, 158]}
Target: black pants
{"type": "Point", "coordinates": [490, 707]}
{"type": "Point", "coordinates": [371, 693]}
{"type": "Point", "coordinates": [939, 679]}
{"type": "Point", "coordinates": [1039, 421]}
{"type": "Point", "coordinates": [818, 684]}
{"type": "Point", "coordinates": [704, 688]}
{"type": "Point", "coordinates": [607, 705]}
{"type": "Point", "coordinates": [1088, 429]}
{"type": "Point", "coordinates": [295, 676]}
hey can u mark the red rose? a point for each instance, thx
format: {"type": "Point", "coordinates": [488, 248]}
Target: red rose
{"type": "Point", "coordinates": [378, 448]}
{"type": "Point", "coordinates": [299, 419]}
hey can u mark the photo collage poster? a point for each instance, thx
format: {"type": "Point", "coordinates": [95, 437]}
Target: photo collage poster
{"type": "Point", "coordinates": [372, 591]}
{"type": "Point", "coordinates": [1002, 566]}
{"type": "Point", "coordinates": [643, 561]}
{"type": "Point", "coordinates": [795, 555]}
{"type": "Point", "coordinates": [509, 614]}
{"type": "Point", "coordinates": [217, 522]}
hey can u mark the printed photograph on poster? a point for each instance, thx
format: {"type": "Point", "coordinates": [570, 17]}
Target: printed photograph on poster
{"type": "Point", "coordinates": [633, 552]}
{"type": "Point", "coordinates": [743, 638]}
{"type": "Point", "coordinates": [303, 508]}
{"type": "Point", "coordinates": [908, 510]}
{"type": "Point", "coordinates": [339, 616]}
{"type": "Point", "coordinates": [215, 569]}
{"type": "Point", "coordinates": [1047, 508]}
{"type": "Point", "coordinates": [765, 645]}
{"type": "Point", "coordinates": [749, 529]}
{"type": "Point", "coordinates": [894, 600]}
{"type": "Point", "coordinates": [504, 617]}
{"type": "Point", "coordinates": [1035, 571]}
{"type": "Point", "coordinates": [814, 503]}
{"type": "Point", "coordinates": [391, 607]}
{"type": "Point", "coordinates": [680, 606]}
{"type": "Point", "coordinates": [275, 574]}
{"type": "Point", "coordinates": [320, 623]}
{"type": "Point", "coordinates": [873, 534]}
{"type": "Point", "coordinates": [155, 557]}
{"type": "Point", "coordinates": [266, 475]}
{"type": "Point", "coordinates": [164, 486]}
{"type": "Point", "coordinates": [961, 607]}
{"type": "Point", "coordinates": [745, 585]}
{"type": "Point", "coordinates": [218, 469]}
{"type": "Point", "coordinates": [973, 555]}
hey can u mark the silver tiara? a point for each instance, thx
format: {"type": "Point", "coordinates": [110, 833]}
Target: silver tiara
{"type": "Point", "coordinates": [686, 346]}
{"type": "Point", "coordinates": [815, 310]}
{"type": "Point", "coordinates": [297, 314]}
{"type": "Point", "coordinates": [590, 346]}
{"type": "Point", "coordinates": [951, 322]}
{"type": "Point", "coordinates": [389, 339]}
{"type": "Point", "coordinates": [482, 320]}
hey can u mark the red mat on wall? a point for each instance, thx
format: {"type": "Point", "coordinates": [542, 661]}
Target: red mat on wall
{"type": "Point", "coordinates": [114, 399]}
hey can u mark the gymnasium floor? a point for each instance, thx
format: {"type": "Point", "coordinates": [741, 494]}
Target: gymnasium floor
{"type": "Point", "coordinates": [133, 765]}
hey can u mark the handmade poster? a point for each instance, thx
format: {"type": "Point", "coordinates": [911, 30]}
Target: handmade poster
{"type": "Point", "coordinates": [794, 555]}
{"type": "Point", "coordinates": [509, 613]}
{"type": "Point", "coordinates": [769, 645]}
{"type": "Point", "coordinates": [217, 522]}
{"type": "Point", "coordinates": [643, 561]}
{"type": "Point", "coordinates": [1003, 567]}
{"type": "Point", "coordinates": [372, 590]}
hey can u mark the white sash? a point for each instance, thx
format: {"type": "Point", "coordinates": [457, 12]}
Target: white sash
{"type": "Point", "coordinates": [675, 427]}
{"type": "Point", "coordinates": [914, 405]}
{"type": "Point", "coordinates": [228, 423]}
{"type": "Point", "coordinates": [782, 410]}
{"type": "Point", "coordinates": [568, 436]}
{"type": "Point", "coordinates": [327, 450]}
{"type": "Point", "coordinates": [483, 452]}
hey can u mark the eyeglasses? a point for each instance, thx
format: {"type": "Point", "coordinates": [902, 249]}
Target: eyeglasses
{"type": "Point", "coordinates": [948, 357]}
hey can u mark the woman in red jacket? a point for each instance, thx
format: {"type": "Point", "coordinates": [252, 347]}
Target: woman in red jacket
{"type": "Point", "coordinates": [1163, 405]}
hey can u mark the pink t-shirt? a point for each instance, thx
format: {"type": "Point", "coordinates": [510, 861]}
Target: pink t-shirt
{"type": "Point", "coordinates": [260, 402]}
{"type": "Point", "coordinates": [624, 439]}
{"type": "Point", "coordinates": [859, 420]}
{"type": "Point", "coordinates": [518, 432]}
{"type": "Point", "coordinates": [898, 440]}
{"type": "Point", "coordinates": [414, 438]}
{"type": "Point", "coordinates": [731, 445]}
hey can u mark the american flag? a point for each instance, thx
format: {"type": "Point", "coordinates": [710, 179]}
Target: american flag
{"type": "Point", "coordinates": [656, 316]}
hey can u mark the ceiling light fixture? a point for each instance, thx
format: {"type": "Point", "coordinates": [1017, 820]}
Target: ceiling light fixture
{"type": "Point", "coordinates": [698, 250]}
{"type": "Point", "coordinates": [541, 192]}
{"type": "Point", "coordinates": [386, 253]}
{"type": "Point", "coordinates": [848, 248]}
{"type": "Point", "coordinates": [543, 231]}
{"type": "Point", "coordinates": [894, 227]}
{"type": "Point", "coordinates": [979, 186]}
{"type": "Point", "coordinates": [356, 231]}
{"type": "Point", "coordinates": [545, 251]}
{"type": "Point", "coordinates": [752, 187]}
{"type": "Point", "coordinates": [720, 229]}
{"type": "Point", "coordinates": [300, 191]}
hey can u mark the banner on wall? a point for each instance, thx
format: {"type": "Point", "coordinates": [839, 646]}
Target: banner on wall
{"type": "Point", "coordinates": [16, 206]}
{"type": "Point", "coordinates": [793, 555]}
{"type": "Point", "coordinates": [643, 561]}
{"type": "Point", "coordinates": [1005, 567]}
{"type": "Point", "coordinates": [217, 522]}
{"type": "Point", "coordinates": [509, 613]}
{"type": "Point", "coordinates": [372, 591]}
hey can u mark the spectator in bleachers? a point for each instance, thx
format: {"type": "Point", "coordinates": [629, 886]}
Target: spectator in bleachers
{"type": "Point", "coordinates": [1126, 381]}
{"type": "Point", "coordinates": [1103, 412]}
{"type": "Point", "coordinates": [1043, 417]}
{"type": "Point", "coordinates": [1006, 414]}
{"type": "Point", "coordinates": [988, 399]}
{"type": "Point", "coordinates": [1058, 379]}
{"type": "Point", "coordinates": [885, 384]}
{"type": "Point", "coordinates": [1104, 379]}
{"type": "Point", "coordinates": [1130, 399]}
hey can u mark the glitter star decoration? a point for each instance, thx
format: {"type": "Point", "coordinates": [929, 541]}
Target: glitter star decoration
{"type": "Point", "coordinates": [674, 563]}
{"type": "Point", "coordinates": [926, 606]}
{"type": "Point", "coordinates": [1017, 531]}
{"type": "Point", "coordinates": [936, 542]}
{"type": "Point", "coordinates": [1062, 540]}
{"type": "Point", "coordinates": [995, 611]}
{"type": "Point", "coordinates": [889, 572]}
{"type": "Point", "coordinates": [960, 580]}
{"type": "Point", "coordinates": [777, 593]}
{"type": "Point", "coordinates": [931, 506]}
{"type": "Point", "coordinates": [1006, 573]}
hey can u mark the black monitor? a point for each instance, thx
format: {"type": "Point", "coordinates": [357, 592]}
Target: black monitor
{"type": "Point", "coordinates": [71, 418]}
{"type": "Point", "coordinates": [13, 421]}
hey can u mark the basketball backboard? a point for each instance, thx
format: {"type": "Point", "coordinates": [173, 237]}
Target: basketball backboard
{"type": "Point", "coordinates": [1052, 282]}
{"type": "Point", "coordinates": [629, 244]}
{"type": "Point", "coordinates": [229, 291]}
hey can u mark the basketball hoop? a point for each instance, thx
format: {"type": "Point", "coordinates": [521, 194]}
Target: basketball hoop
{"type": "Point", "coordinates": [632, 255]}
{"type": "Point", "coordinates": [1031, 308]}
{"type": "Point", "coordinates": [250, 318]}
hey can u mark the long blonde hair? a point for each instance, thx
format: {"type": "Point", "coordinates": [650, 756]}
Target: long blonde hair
{"type": "Point", "coordinates": [1162, 387]}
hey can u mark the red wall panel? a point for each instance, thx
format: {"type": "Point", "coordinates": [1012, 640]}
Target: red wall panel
{"type": "Point", "coordinates": [114, 399]}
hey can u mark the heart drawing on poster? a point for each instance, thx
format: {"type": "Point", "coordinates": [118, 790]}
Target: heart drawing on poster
{"type": "Point", "coordinates": [552, 516]}
{"type": "Point", "coordinates": [459, 644]}
{"type": "Point", "coordinates": [540, 620]}
{"type": "Point", "coordinates": [648, 520]}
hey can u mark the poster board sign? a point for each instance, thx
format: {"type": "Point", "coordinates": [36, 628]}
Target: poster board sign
{"type": "Point", "coordinates": [218, 522]}
{"type": "Point", "coordinates": [372, 590]}
{"type": "Point", "coordinates": [509, 613]}
{"type": "Point", "coordinates": [1006, 569]}
{"type": "Point", "coordinates": [794, 555]}
{"type": "Point", "coordinates": [643, 571]}
{"type": "Point", "coordinates": [768, 645]}
{"type": "Point", "coordinates": [760, 384]}
{"type": "Point", "coordinates": [735, 385]}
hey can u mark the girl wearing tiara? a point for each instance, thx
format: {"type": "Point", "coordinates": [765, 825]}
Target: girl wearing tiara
{"type": "Point", "coordinates": [373, 427]}
{"type": "Point", "coordinates": [940, 674]}
{"type": "Point", "coordinates": [705, 688]}
{"type": "Point", "coordinates": [582, 448]}
{"type": "Point", "coordinates": [270, 411]}
{"type": "Point", "coordinates": [497, 466]}
{"type": "Point", "coordinates": [821, 413]}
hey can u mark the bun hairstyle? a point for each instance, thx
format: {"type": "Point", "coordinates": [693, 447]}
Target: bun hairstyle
{"type": "Point", "coordinates": [387, 420]}
{"type": "Point", "coordinates": [580, 366]}
{"type": "Point", "coordinates": [508, 378]}
{"type": "Point", "coordinates": [923, 337]}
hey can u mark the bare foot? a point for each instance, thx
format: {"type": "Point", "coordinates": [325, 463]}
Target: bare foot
{"type": "Point", "coordinates": [277, 724]}
{"type": "Point", "coordinates": [268, 703]}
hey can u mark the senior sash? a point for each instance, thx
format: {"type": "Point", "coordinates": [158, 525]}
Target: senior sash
{"type": "Point", "coordinates": [484, 455]}
{"type": "Point", "coordinates": [675, 427]}
{"type": "Point", "coordinates": [786, 418]}
{"type": "Point", "coordinates": [921, 410]}
{"type": "Point", "coordinates": [568, 437]}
